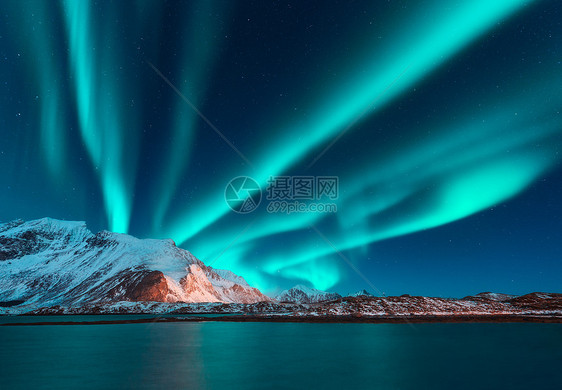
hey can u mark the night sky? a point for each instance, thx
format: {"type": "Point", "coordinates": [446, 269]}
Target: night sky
{"type": "Point", "coordinates": [441, 121]}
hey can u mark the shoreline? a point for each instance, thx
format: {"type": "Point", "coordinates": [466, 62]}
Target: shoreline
{"type": "Point", "coordinates": [417, 319]}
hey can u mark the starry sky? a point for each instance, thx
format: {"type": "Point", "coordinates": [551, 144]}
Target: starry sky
{"type": "Point", "coordinates": [441, 121]}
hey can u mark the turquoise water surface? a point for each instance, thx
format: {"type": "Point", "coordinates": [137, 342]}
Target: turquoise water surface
{"type": "Point", "coordinates": [220, 355]}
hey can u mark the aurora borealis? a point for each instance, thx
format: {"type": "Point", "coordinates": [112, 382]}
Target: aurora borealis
{"type": "Point", "coordinates": [442, 124]}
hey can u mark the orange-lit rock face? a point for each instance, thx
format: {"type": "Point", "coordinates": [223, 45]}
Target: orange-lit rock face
{"type": "Point", "coordinates": [246, 294]}
{"type": "Point", "coordinates": [192, 285]}
{"type": "Point", "coordinates": [152, 287]}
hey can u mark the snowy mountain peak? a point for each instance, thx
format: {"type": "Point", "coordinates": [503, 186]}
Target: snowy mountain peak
{"type": "Point", "coordinates": [46, 225]}
{"type": "Point", "coordinates": [495, 296]}
{"type": "Point", "coordinates": [51, 262]}
{"type": "Point", "coordinates": [304, 294]}
{"type": "Point", "coordinates": [229, 275]}
{"type": "Point", "coordinates": [362, 293]}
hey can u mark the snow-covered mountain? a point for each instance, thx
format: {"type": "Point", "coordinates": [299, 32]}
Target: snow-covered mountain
{"type": "Point", "coordinates": [303, 294]}
{"type": "Point", "coordinates": [51, 262]}
{"type": "Point", "coordinates": [362, 293]}
{"type": "Point", "coordinates": [494, 296]}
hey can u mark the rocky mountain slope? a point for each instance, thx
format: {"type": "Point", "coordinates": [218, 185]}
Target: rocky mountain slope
{"type": "Point", "coordinates": [49, 262]}
{"type": "Point", "coordinates": [534, 304]}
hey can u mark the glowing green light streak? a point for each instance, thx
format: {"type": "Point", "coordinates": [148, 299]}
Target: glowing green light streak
{"type": "Point", "coordinates": [321, 273]}
{"type": "Point", "coordinates": [199, 52]}
{"type": "Point", "coordinates": [452, 175]}
{"type": "Point", "coordinates": [420, 50]}
{"type": "Point", "coordinates": [97, 100]}
{"type": "Point", "coordinates": [235, 260]}
{"type": "Point", "coordinates": [459, 194]}
{"type": "Point", "coordinates": [37, 28]}
{"type": "Point", "coordinates": [473, 191]}
{"type": "Point", "coordinates": [403, 177]}
{"type": "Point", "coordinates": [467, 193]}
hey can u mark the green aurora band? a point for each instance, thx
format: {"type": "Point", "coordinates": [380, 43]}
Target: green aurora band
{"type": "Point", "coordinates": [99, 84]}
{"type": "Point", "coordinates": [453, 174]}
{"type": "Point", "coordinates": [52, 135]}
{"type": "Point", "coordinates": [450, 174]}
{"type": "Point", "coordinates": [196, 64]}
{"type": "Point", "coordinates": [414, 54]}
{"type": "Point", "coordinates": [419, 50]}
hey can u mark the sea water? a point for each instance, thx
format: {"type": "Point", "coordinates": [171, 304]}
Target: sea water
{"type": "Point", "coordinates": [225, 355]}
